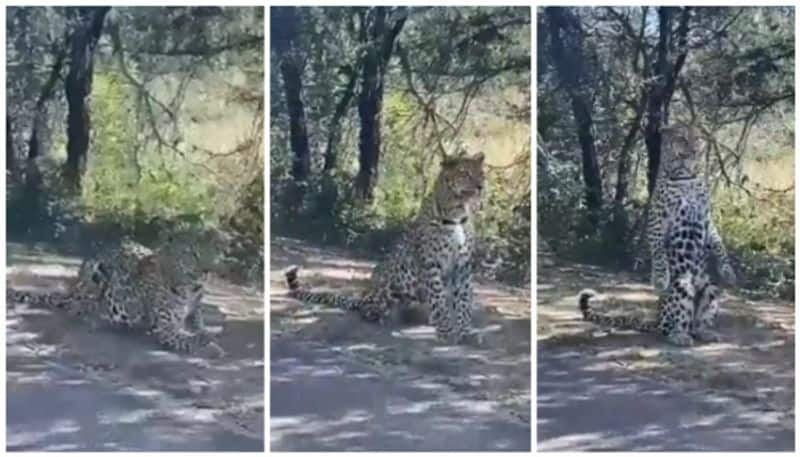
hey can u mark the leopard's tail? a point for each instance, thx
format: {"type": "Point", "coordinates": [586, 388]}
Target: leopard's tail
{"type": "Point", "coordinates": [585, 298]}
{"type": "Point", "coordinates": [323, 298]}
{"type": "Point", "coordinates": [57, 300]}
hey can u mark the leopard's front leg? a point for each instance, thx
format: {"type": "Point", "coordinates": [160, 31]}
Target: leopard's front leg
{"type": "Point", "coordinates": [657, 229]}
{"type": "Point", "coordinates": [436, 297]}
{"type": "Point", "coordinates": [463, 298]}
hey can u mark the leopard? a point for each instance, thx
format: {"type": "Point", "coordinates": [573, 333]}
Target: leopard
{"type": "Point", "coordinates": [680, 230]}
{"type": "Point", "coordinates": [685, 315]}
{"type": "Point", "coordinates": [681, 235]}
{"type": "Point", "coordinates": [83, 293]}
{"type": "Point", "coordinates": [430, 267]}
{"type": "Point", "coordinates": [158, 292]}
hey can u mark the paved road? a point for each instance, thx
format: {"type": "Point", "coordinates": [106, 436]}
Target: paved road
{"type": "Point", "coordinates": [323, 401]}
{"type": "Point", "coordinates": [581, 409]}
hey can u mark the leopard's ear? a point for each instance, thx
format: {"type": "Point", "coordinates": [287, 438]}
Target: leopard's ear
{"type": "Point", "coordinates": [479, 157]}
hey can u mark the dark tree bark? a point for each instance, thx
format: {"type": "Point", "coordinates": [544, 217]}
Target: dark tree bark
{"type": "Point", "coordinates": [335, 127]}
{"type": "Point", "coordinates": [664, 73]}
{"type": "Point", "coordinates": [38, 134]}
{"type": "Point", "coordinates": [87, 28]}
{"type": "Point", "coordinates": [380, 40]}
{"type": "Point", "coordinates": [11, 163]}
{"type": "Point", "coordinates": [623, 168]}
{"type": "Point", "coordinates": [566, 49]}
{"type": "Point", "coordinates": [284, 24]}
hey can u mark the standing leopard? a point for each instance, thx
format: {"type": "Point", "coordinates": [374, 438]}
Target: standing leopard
{"type": "Point", "coordinates": [680, 229]}
{"type": "Point", "coordinates": [158, 292]}
{"type": "Point", "coordinates": [430, 265]}
{"type": "Point", "coordinates": [681, 235]}
{"type": "Point", "coordinates": [685, 314]}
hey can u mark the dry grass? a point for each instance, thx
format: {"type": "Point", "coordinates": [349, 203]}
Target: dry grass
{"type": "Point", "coordinates": [502, 139]}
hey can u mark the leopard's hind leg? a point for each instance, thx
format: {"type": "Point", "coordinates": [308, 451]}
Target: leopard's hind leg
{"type": "Point", "coordinates": [677, 311]}
{"type": "Point", "coordinates": [706, 310]}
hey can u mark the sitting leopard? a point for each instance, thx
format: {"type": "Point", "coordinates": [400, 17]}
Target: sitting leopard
{"type": "Point", "coordinates": [134, 287]}
{"type": "Point", "coordinates": [430, 265]}
{"type": "Point", "coordinates": [681, 234]}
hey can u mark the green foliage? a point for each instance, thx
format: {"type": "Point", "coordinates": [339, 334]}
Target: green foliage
{"type": "Point", "coordinates": [737, 89]}
{"type": "Point", "coordinates": [123, 181]}
{"type": "Point", "coordinates": [756, 224]}
{"type": "Point", "coordinates": [458, 77]}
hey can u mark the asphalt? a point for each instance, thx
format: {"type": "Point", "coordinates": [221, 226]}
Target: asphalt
{"type": "Point", "coordinates": [582, 407]}
{"type": "Point", "coordinates": [321, 400]}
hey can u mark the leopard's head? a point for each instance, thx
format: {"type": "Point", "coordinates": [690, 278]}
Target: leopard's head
{"type": "Point", "coordinates": [93, 279]}
{"type": "Point", "coordinates": [680, 155]}
{"type": "Point", "coordinates": [459, 186]}
{"type": "Point", "coordinates": [193, 254]}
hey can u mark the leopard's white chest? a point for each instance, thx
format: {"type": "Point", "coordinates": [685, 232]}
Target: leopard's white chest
{"type": "Point", "coordinates": [457, 234]}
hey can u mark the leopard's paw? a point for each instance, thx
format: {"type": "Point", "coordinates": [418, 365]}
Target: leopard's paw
{"type": "Point", "coordinates": [212, 351]}
{"type": "Point", "coordinates": [681, 339]}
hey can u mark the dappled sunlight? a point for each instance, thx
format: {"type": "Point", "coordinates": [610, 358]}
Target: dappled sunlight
{"type": "Point", "coordinates": [473, 386]}
{"type": "Point", "coordinates": [742, 386]}
{"type": "Point", "coordinates": [112, 386]}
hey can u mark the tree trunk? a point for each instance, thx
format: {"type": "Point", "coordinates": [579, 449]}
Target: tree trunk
{"type": "Point", "coordinates": [39, 135]}
{"type": "Point", "coordinates": [335, 127]}
{"type": "Point", "coordinates": [566, 49]}
{"type": "Point", "coordinates": [623, 168]}
{"type": "Point", "coordinates": [11, 163]}
{"type": "Point", "coordinates": [664, 74]}
{"type": "Point", "coordinates": [285, 24]}
{"type": "Point", "coordinates": [87, 28]}
{"type": "Point", "coordinates": [380, 44]}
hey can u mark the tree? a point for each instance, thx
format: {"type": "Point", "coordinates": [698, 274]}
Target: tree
{"type": "Point", "coordinates": [378, 35]}
{"type": "Point", "coordinates": [566, 37]}
{"type": "Point", "coordinates": [285, 24]}
{"type": "Point", "coordinates": [87, 25]}
{"type": "Point", "coordinates": [729, 71]}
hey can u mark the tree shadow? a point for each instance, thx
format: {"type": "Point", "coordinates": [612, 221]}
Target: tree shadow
{"type": "Point", "coordinates": [752, 368]}
{"type": "Point", "coordinates": [494, 372]}
{"type": "Point", "coordinates": [75, 386]}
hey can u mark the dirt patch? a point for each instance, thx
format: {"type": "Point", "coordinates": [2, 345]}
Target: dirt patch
{"type": "Point", "coordinates": [753, 363]}
{"type": "Point", "coordinates": [495, 369]}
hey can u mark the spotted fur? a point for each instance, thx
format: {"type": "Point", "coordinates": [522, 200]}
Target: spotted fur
{"type": "Point", "coordinates": [682, 235]}
{"type": "Point", "coordinates": [131, 286]}
{"type": "Point", "coordinates": [430, 265]}
{"type": "Point", "coordinates": [685, 314]}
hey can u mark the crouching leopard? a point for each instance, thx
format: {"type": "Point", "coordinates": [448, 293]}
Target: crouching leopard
{"type": "Point", "coordinates": [130, 286]}
{"type": "Point", "coordinates": [431, 264]}
{"type": "Point", "coordinates": [681, 235]}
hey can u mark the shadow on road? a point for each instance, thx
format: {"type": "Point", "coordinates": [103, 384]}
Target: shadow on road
{"type": "Point", "coordinates": [360, 386]}
{"type": "Point", "coordinates": [645, 394]}
{"type": "Point", "coordinates": [71, 386]}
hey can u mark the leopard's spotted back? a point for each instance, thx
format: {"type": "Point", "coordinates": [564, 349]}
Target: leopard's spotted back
{"type": "Point", "coordinates": [431, 263]}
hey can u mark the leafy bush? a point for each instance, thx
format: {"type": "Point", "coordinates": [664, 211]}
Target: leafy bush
{"type": "Point", "coordinates": [127, 182]}
{"type": "Point", "coordinates": [330, 214]}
